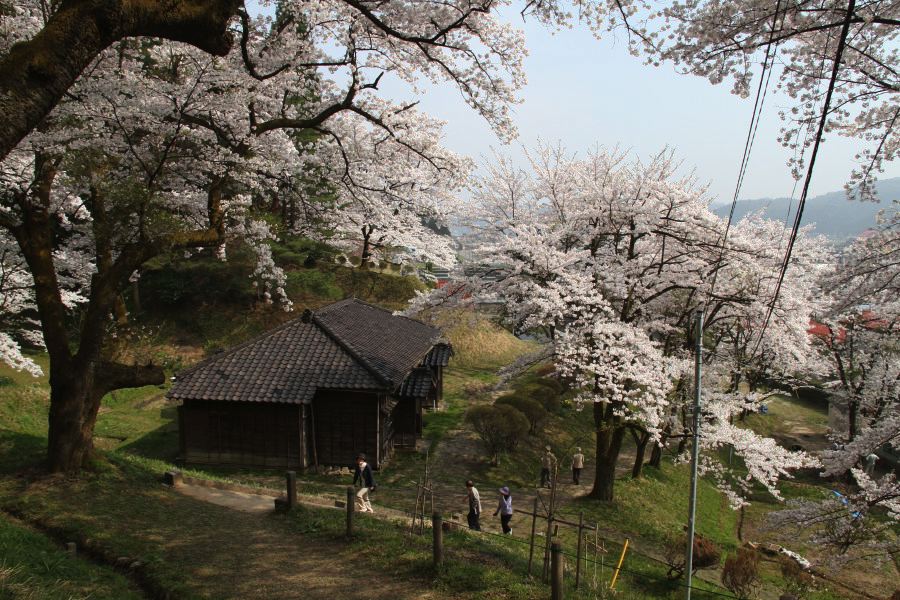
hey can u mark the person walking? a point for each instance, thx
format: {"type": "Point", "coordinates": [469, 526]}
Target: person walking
{"type": "Point", "coordinates": [871, 459]}
{"type": "Point", "coordinates": [363, 475]}
{"type": "Point", "coordinates": [474, 506]}
{"type": "Point", "coordinates": [505, 510]}
{"type": "Point", "coordinates": [547, 462]}
{"type": "Point", "coordinates": [577, 466]}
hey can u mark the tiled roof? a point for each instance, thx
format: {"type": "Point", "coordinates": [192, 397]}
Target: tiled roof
{"type": "Point", "coordinates": [439, 356]}
{"type": "Point", "coordinates": [417, 384]}
{"type": "Point", "coordinates": [390, 344]}
{"type": "Point", "coordinates": [346, 345]}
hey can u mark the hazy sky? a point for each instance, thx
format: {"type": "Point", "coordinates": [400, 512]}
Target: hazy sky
{"type": "Point", "coordinates": [584, 92]}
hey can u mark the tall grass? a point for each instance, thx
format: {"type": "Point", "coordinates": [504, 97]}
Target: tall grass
{"type": "Point", "coordinates": [479, 342]}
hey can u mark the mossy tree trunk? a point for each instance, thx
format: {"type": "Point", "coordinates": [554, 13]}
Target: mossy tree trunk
{"type": "Point", "coordinates": [80, 374]}
{"type": "Point", "coordinates": [36, 73]}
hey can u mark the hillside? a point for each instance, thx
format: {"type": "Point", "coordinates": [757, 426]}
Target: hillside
{"type": "Point", "coordinates": [833, 215]}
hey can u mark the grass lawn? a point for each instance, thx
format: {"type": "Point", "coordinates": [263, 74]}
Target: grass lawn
{"type": "Point", "coordinates": [33, 567]}
{"type": "Point", "coordinates": [192, 549]}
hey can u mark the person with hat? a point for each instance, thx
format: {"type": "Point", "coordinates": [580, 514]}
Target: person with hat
{"type": "Point", "coordinates": [547, 462]}
{"type": "Point", "coordinates": [577, 466]}
{"type": "Point", "coordinates": [505, 510]}
{"type": "Point", "coordinates": [363, 475]}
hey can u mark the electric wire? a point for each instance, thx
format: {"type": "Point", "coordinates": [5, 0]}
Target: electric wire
{"type": "Point", "coordinates": [755, 117]}
{"type": "Point", "coordinates": [845, 28]}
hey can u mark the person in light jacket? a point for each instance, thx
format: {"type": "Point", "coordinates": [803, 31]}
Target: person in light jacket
{"type": "Point", "coordinates": [474, 506]}
{"type": "Point", "coordinates": [505, 510]}
{"type": "Point", "coordinates": [363, 475]}
{"type": "Point", "coordinates": [577, 466]}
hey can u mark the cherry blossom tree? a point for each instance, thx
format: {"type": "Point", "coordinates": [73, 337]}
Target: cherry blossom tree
{"type": "Point", "coordinates": [859, 358]}
{"type": "Point", "coordinates": [728, 40]}
{"type": "Point", "coordinates": [620, 256]}
{"type": "Point", "coordinates": [163, 148]}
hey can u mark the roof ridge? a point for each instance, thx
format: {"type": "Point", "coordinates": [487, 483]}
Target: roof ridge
{"type": "Point", "coordinates": [353, 352]}
{"type": "Point", "coordinates": [211, 359]}
{"type": "Point", "coordinates": [392, 313]}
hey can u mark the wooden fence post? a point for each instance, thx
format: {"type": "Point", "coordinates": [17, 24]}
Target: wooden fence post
{"type": "Point", "coordinates": [556, 571]}
{"type": "Point", "coordinates": [533, 525]}
{"type": "Point", "coordinates": [580, 543]}
{"type": "Point", "coordinates": [291, 481]}
{"type": "Point", "coordinates": [350, 503]}
{"type": "Point", "coordinates": [437, 532]}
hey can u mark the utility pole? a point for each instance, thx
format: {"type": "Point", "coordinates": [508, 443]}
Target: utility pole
{"type": "Point", "coordinates": [695, 450]}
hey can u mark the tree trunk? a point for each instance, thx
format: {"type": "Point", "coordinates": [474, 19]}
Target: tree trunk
{"type": "Point", "coordinates": [641, 441]}
{"type": "Point", "coordinates": [36, 73]}
{"type": "Point", "coordinates": [852, 417]}
{"type": "Point", "coordinates": [610, 434]}
{"type": "Point", "coordinates": [75, 395]}
{"type": "Point", "coordinates": [657, 452]}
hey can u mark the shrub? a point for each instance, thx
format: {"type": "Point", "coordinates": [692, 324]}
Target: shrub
{"type": "Point", "coordinates": [554, 384]}
{"type": "Point", "coordinates": [475, 389]}
{"type": "Point", "coordinates": [740, 574]}
{"type": "Point", "coordinates": [706, 554]}
{"type": "Point", "coordinates": [499, 427]}
{"type": "Point", "coordinates": [544, 370]}
{"type": "Point", "coordinates": [532, 409]}
{"type": "Point", "coordinates": [797, 582]}
{"type": "Point", "coordinates": [543, 395]}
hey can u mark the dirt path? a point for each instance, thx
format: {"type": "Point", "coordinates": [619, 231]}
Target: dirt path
{"type": "Point", "coordinates": [249, 503]}
{"type": "Point", "coordinates": [271, 564]}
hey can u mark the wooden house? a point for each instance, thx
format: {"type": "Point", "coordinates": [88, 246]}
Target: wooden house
{"type": "Point", "coordinates": [348, 378]}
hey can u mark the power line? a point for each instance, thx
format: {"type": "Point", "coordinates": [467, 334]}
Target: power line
{"type": "Point", "coordinates": [845, 28]}
{"type": "Point", "coordinates": [755, 117]}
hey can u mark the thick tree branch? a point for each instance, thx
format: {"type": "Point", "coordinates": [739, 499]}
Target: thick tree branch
{"type": "Point", "coordinates": [111, 376]}
{"type": "Point", "coordinates": [34, 75]}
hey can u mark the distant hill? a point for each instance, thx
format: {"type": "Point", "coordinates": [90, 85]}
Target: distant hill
{"type": "Point", "coordinates": [833, 214]}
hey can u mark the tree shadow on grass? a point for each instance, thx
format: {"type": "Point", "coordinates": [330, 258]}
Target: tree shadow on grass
{"type": "Point", "coordinates": [20, 450]}
{"type": "Point", "coordinates": [160, 443]}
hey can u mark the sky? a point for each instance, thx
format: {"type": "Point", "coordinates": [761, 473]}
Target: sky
{"type": "Point", "coordinates": [584, 92]}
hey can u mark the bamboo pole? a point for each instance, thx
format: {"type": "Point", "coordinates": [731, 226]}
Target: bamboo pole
{"type": "Point", "coordinates": [612, 584]}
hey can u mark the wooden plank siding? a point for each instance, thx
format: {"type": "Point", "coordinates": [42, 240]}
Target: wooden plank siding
{"type": "Point", "coordinates": [242, 433]}
{"type": "Point", "coordinates": [347, 423]}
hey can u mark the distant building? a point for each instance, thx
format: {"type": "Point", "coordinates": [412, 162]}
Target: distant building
{"type": "Point", "coordinates": [348, 378]}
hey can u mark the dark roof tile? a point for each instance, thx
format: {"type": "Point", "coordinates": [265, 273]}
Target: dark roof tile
{"type": "Point", "coordinates": [346, 345]}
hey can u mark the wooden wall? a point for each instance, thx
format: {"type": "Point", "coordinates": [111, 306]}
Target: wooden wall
{"type": "Point", "coordinates": [407, 417]}
{"type": "Point", "coordinates": [242, 433]}
{"type": "Point", "coordinates": [345, 424]}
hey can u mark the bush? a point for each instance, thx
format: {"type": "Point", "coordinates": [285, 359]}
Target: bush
{"type": "Point", "coordinates": [706, 554]}
{"type": "Point", "coordinates": [542, 394]}
{"type": "Point", "coordinates": [499, 427]}
{"type": "Point", "coordinates": [554, 384]}
{"type": "Point", "coordinates": [740, 574]}
{"type": "Point", "coordinates": [797, 582]}
{"type": "Point", "coordinates": [475, 389]}
{"type": "Point", "coordinates": [532, 409]}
